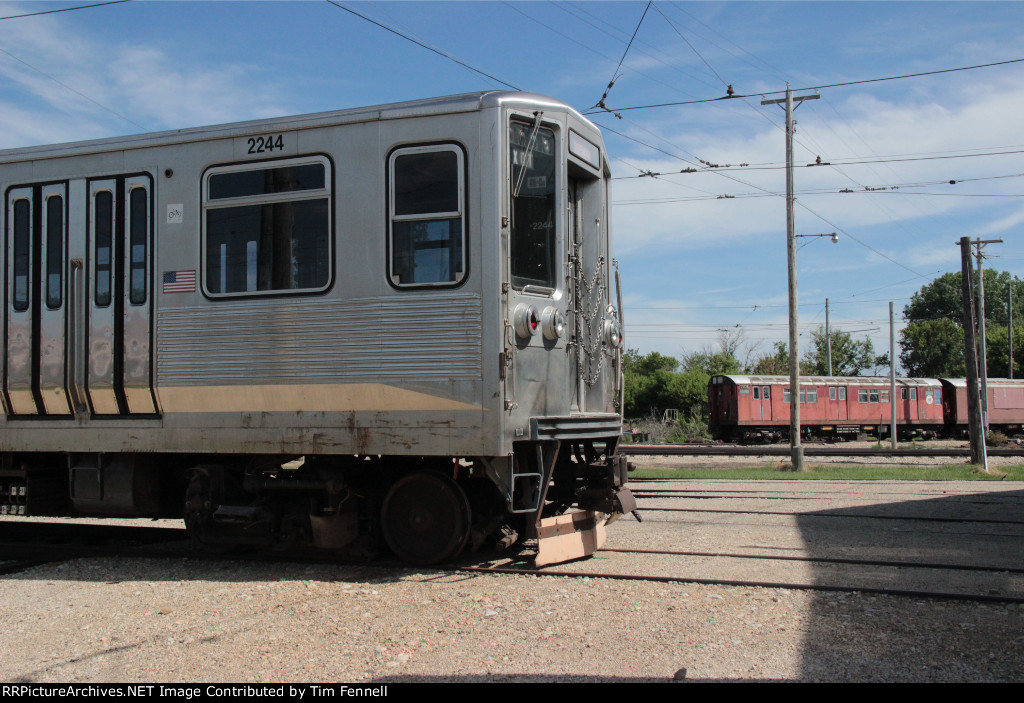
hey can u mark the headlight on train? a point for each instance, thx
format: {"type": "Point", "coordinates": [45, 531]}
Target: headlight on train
{"type": "Point", "coordinates": [612, 335]}
{"type": "Point", "coordinates": [552, 323]}
{"type": "Point", "coordinates": [525, 320]}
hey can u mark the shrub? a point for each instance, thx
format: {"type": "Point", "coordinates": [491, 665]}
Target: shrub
{"type": "Point", "coordinates": [995, 438]}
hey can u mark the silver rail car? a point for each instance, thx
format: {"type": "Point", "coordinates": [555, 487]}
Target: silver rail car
{"type": "Point", "coordinates": [397, 324]}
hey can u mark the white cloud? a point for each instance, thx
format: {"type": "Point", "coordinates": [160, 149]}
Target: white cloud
{"type": "Point", "coordinates": [1003, 224]}
{"type": "Point", "coordinates": [66, 86]}
{"type": "Point", "coordinates": [980, 117]}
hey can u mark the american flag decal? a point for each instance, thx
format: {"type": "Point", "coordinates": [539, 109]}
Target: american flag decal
{"type": "Point", "coordinates": [180, 281]}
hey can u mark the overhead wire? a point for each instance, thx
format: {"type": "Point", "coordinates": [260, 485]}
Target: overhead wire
{"type": "Point", "coordinates": [424, 45]}
{"type": "Point", "coordinates": [729, 90]}
{"type": "Point", "coordinates": [820, 87]}
{"type": "Point", "coordinates": [768, 192]}
{"type": "Point", "coordinates": [840, 162]}
{"type": "Point", "coordinates": [692, 47]}
{"type": "Point", "coordinates": [766, 306]}
{"type": "Point", "coordinates": [855, 239]}
{"type": "Point", "coordinates": [579, 12]}
{"type": "Point", "coordinates": [675, 7]}
{"type": "Point", "coordinates": [890, 189]}
{"type": "Point", "coordinates": [73, 90]}
{"type": "Point", "coordinates": [615, 75]}
{"type": "Point", "coordinates": [592, 50]}
{"type": "Point", "coordinates": [63, 9]}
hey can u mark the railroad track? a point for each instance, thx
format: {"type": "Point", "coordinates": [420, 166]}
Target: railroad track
{"type": "Point", "coordinates": [824, 543]}
{"type": "Point", "coordinates": [809, 450]}
{"type": "Point", "coordinates": [925, 541]}
{"type": "Point", "coordinates": [788, 585]}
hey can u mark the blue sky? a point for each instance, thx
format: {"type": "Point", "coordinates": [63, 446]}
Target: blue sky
{"type": "Point", "coordinates": [692, 263]}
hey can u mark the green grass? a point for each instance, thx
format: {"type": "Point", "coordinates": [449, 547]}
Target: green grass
{"type": "Point", "coordinates": [845, 472]}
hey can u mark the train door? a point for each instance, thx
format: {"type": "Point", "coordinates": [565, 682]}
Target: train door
{"type": "Point", "coordinates": [559, 283]}
{"type": "Point", "coordinates": [908, 411]}
{"type": "Point", "coordinates": [834, 404]}
{"type": "Point", "coordinates": [35, 368]}
{"type": "Point", "coordinates": [119, 329]}
{"type": "Point", "coordinates": [535, 266]}
{"type": "Point", "coordinates": [762, 403]}
{"type": "Point", "coordinates": [79, 298]}
{"type": "Point", "coordinates": [581, 326]}
{"type": "Point", "coordinates": [932, 406]}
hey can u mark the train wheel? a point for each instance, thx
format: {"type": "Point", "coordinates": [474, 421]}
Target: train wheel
{"type": "Point", "coordinates": [425, 518]}
{"type": "Point", "coordinates": [198, 511]}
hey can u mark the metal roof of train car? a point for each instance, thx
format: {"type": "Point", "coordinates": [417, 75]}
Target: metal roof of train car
{"type": "Point", "coordinates": [830, 380]}
{"type": "Point", "coordinates": [465, 102]}
{"type": "Point", "coordinates": [991, 382]}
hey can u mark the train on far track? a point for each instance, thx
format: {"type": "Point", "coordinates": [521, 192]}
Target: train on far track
{"type": "Point", "coordinates": [756, 408]}
{"type": "Point", "coordinates": [394, 327]}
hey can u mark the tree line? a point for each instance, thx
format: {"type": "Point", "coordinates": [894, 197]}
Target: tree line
{"type": "Point", "coordinates": [930, 346]}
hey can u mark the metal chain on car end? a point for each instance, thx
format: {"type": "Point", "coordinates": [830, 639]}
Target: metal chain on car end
{"type": "Point", "coordinates": [589, 292]}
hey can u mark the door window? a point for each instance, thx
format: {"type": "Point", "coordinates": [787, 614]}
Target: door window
{"type": "Point", "coordinates": [533, 187]}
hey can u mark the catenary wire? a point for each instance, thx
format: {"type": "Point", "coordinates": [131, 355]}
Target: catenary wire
{"type": "Point", "coordinates": [821, 87]}
{"type": "Point", "coordinates": [424, 45]}
{"type": "Point", "coordinates": [63, 9]}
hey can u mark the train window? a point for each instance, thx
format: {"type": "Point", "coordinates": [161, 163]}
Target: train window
{"type": "Point", "coordinates": [267, 181]}
{"type": "Point", "coordinates": [842, 392]}
{"type": "Point", "coordinates": [533, 185]}
{"type": "Point", "coordinates": [103, 231]}
{"type": "Point", "coordinates": [938, 396]}
{"type": "Point", "coordinates": [873, 396]}
{"type": "Point", "coordinates": [267, 229]}
{"type": "Point", "coordinates": [885, 397]}
{"type": "Point", "coordinates": [428, 234]}
{"type": "Point", "coordinates": [862, 395]}
{"type": "Point", "coordinates": [906, 393]}
{"type": "Point", "coordinates": [806, 395]}
{"type": "Point", "coordinates": [757, 395]}
{"type": "Point", "coordinates": [54, 251]}
{"type": "Point", "coordinates": [21, 253]}
{"type": "Point", "coordinates": [138, 228]}
{"type": "Point", "coordinates": [831, 392]}
{"type": "Point", "coordinates": [766, 393]}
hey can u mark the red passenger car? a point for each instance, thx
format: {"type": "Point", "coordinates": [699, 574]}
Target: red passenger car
{"type": "Point", "coordinates": [1005, 404]}
{"type": "Point", "coordinates": [757, 407]}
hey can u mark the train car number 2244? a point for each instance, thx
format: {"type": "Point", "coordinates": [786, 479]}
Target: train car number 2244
{"type": "Point", "coordinates": [265, 145]}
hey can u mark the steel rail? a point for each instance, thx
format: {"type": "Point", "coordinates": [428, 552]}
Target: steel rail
{"type": "Point", "coordinates": [809, 450]}
{"type": "Point", "coordinates": [860, 516]}
{"type": "Point", "coordinates": [938, 595]}
{"type": "Point", "coordinates": [46, 553]}
{"type": "Point", "coordinates": [822, 560]}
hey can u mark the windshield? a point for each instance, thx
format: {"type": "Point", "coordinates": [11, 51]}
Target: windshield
{"type": "Point", "coordinates": [532, 153]}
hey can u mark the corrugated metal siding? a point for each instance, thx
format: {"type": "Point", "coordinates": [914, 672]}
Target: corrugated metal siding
{"type": "Point", "coordinates": [271, 341]}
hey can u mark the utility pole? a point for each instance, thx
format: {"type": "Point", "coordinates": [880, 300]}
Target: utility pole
{"type": "Point", "coordinates": [971, 355]}
{"type": "Point", "coordinates": [796, 449]}
{"type": "Point", "coordinates": [892, 375]}
{"type": "Point", "coordinates": [982, 354]}
{"type": "Point", "coordinates": [1009, 302]}
{"type": "Point", "coordinates": [828, 339]}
